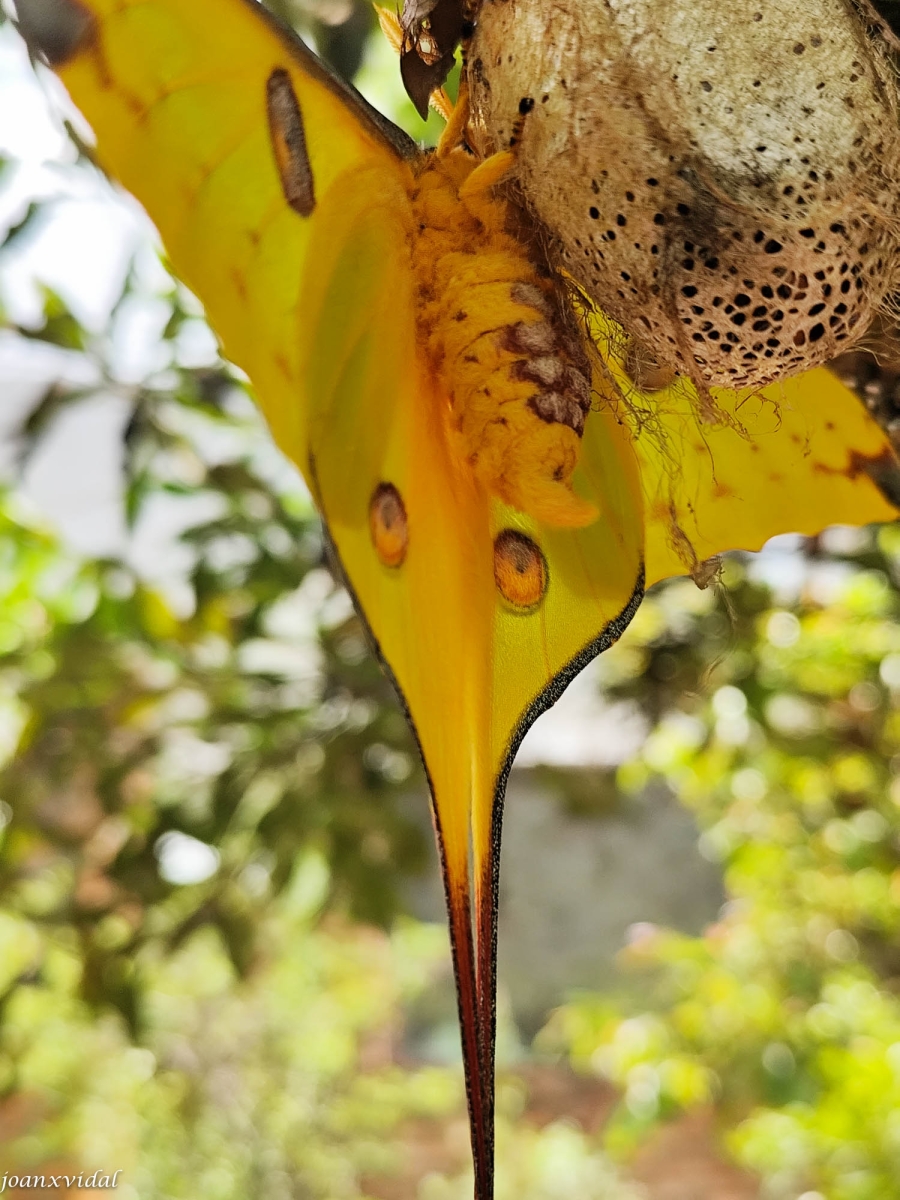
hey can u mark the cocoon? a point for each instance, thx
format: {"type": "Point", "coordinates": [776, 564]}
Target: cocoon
{"type": "Point", "coordinates": [722, 179]}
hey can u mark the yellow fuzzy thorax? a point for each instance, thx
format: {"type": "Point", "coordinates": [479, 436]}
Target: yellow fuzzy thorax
{"type": "Point", "coordinates": [517, 390]}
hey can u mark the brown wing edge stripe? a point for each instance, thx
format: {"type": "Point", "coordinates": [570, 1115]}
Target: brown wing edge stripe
{"type": "Point", "coordinates": [461, 944]}
{"type": "Point", "coordinates": [487, 920]}
{"type": "Point", "coordinates": [386, 131]}
{"type": "Point", "coordinates": [607, 637]}
{"type": "Point", "coordinates": [54, 29]}
{"type": "Point", "coordinates": [288, 138]}
{"type": "Point", "coordinates": [58, 29]}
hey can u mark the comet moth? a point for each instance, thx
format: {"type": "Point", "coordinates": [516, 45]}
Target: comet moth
{"type": "Point", "coordinates": [497, 490]}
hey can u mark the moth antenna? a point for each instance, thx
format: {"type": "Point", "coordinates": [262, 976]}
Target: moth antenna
{"type": "Point", "coordinates": [390, 27]}
{"type": "Point", "coordinates": [392, 30]}
{"type": "Point", "coordinates": [441, 103]}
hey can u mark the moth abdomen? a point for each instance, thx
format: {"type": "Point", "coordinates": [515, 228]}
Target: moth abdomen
{"type": "Point", "coordinates": [518, 384]}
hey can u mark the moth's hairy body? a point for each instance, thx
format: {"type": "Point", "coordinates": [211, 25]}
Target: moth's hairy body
{"type": "Point", "coordinates": [723, 180]}
{"type": "Point", "coordinates": [496, 336]}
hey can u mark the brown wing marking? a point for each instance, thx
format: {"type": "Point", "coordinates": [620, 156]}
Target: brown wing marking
{"type": "Point", "coordinates": [289, 142]}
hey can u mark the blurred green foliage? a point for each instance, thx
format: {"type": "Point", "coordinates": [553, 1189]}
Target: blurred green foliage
{"type": "Point", "coordinates": [233, 1091]}
{"type": "Point", "coordinates": [256, 723]}
{"type": "Point", "coordinates": [200, 794]}
{"type": "Point", "coordinates": [778, 722]}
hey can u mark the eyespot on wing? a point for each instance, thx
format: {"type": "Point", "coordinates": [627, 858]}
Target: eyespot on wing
{"type": "Point", "coordinates": [388, 525]}
{"type": "Point", "coordinates": [520, 570]}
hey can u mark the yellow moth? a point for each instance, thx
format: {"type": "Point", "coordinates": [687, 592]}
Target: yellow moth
{"type": "Point", "coordinates": [485, 468]}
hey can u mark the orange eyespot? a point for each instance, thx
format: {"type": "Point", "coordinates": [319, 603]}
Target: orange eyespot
{"type": "Point", "coordinates": [388, 525]}
{"type": "Point", "coordinates": [520, 569]}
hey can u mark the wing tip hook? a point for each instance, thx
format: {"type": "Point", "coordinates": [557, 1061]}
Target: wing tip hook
{"type": "Point", "coordinates": [55, 30]}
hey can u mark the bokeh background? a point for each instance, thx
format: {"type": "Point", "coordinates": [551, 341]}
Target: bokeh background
{"type": "Point", "coordinates": [223, 965]}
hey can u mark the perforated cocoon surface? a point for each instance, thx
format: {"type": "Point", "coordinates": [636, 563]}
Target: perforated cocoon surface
{"type": "Point", "coordinates": [724, 180]}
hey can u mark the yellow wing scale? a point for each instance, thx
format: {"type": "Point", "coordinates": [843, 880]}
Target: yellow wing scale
{"type": "Point", "coordinates": [176, 95]}
{"type": "Point", "coordinates": [795, 457]}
